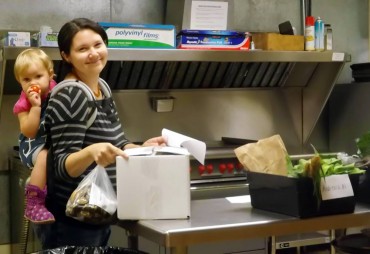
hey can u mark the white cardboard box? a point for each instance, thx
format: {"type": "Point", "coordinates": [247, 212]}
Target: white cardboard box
{"type": "Point", "coordinates": [18, 39]}
{"type": "Point", "coordinates": [154, 182]}
{"type": "Point", "coordinates": [153, 187]}
{"type": "Point", "coordinates": [48, 39]}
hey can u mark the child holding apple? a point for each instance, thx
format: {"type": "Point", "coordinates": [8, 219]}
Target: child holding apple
{"type": "Point", "coordinates": [33, 70]}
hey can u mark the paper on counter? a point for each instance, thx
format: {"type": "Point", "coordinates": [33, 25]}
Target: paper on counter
{"type": "Point", "coordinates": [239, 199]}
{"type": "Point", "coordinates": [176, 144]}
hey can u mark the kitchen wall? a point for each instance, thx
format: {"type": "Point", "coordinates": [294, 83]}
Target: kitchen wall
{"type": "Point", "coordinates": [350, 27]}
{"type": "Point", "coordinates": [349, 19]}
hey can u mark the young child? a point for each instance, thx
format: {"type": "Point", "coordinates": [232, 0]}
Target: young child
{"type": "Point", "coordinates": [33, 70]}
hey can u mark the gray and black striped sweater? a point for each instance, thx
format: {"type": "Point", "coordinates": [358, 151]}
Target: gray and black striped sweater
{"type": "Point", "coordinates": [66, 117]}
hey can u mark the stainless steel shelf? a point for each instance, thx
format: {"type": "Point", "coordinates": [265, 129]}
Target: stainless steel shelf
{"type": "Point", "coordinates": [10, 53]}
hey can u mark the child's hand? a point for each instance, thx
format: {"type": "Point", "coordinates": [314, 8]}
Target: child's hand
{"type": "Point", "coordinates": [33, 94]}
{"type": "Point", "coordinates": [35, 88]}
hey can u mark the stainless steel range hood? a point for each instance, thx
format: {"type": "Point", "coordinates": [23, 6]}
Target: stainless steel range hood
{"type": "Point", "coordinates": [195, 69]}
{"type": "Point", "coordinates": [304, 80]}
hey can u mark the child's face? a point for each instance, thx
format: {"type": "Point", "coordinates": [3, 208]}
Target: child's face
{"type": "Point", "coordinates": [37, 75]}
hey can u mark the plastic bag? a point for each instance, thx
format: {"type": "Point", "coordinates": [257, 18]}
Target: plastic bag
{"type": "Point", "coordinates": [94, 200]}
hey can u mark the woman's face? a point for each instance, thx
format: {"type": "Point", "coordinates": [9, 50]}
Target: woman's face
{"type": "Point", "coordinates": [88, 53]}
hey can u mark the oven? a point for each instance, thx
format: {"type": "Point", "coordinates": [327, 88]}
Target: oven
{"type": "Point", "coordinates": [222, 175]}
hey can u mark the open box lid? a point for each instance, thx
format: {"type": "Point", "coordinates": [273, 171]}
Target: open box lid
{"type": "Point", "coordinates": [176, 144]}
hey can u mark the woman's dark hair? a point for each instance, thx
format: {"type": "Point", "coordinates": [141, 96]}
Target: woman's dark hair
{"type": "Point", "coordinates": [71, 28]}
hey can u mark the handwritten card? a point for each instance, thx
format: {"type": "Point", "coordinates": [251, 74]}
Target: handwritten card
{"type": "Point", "coordinates": [336, 186]}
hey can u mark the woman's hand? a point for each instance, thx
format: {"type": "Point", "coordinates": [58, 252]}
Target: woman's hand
{"type": "Point", "coordinates": [105, 153]}
{"type": "Point", "coordinates": [157, 141]}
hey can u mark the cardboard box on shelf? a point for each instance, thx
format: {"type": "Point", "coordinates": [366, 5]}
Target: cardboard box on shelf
{"type": "Point", "coordinates": [278, 42]}
{"type": "Point", "coordinates": [17, 39]}
{"type": "Point", "coordinates": [154, 182]}
{"type": "Point", "coordinates": [45, 39]}
{"type": "Point", "coordinates": [213, 39]}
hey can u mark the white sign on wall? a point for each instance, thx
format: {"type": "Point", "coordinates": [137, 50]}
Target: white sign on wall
{"type": "Point", "coordinates": [209, 15]}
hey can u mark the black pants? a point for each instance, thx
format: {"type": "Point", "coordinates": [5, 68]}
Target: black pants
{"type": "Point", "coordinates": [61, 234]}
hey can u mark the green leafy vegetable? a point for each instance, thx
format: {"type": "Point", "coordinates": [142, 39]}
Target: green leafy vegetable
{"type": "Point", "coordinates": [320, 167]}
{"type": "Point", "coordinates": [363, 145]}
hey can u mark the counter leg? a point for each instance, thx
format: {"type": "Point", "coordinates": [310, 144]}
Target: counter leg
{"type": "Point", "coordinates": [133, 242]}
{"type": "Point", "coordinates": [332, 237]}
{"type": "Point", "coordinates": [273, 245]}
{"type": "Point", "coordinates": [179, 250]}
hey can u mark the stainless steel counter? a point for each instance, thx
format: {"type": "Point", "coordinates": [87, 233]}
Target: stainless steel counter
{"type": "Point", "coordinates": [217, 220]}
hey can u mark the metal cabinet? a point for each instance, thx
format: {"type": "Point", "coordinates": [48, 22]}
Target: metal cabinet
{"type": "Point", "coordinates": [22, 237]}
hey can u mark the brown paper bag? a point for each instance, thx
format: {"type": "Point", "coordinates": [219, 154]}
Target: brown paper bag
{"type": "Point", "coordinates": [266, 156]}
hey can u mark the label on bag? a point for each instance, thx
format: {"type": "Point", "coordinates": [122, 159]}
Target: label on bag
{"type": "Point", "coordinates": [336, 186]}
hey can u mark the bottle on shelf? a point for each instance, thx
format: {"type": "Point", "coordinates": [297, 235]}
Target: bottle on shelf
{"type": "Point", "coordinates": [319, 34]}
{"type": "Point", "coordinates": [309, 33]}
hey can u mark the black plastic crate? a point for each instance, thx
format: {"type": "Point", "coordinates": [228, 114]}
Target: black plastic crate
{"type": "Point", "coordinates": [361, 72]}
{"type": "Point", "coordinates": [295, 196]}
{"type": "Point", "coordinates": [363, 192]}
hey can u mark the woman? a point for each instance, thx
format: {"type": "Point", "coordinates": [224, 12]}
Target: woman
{"type": "Point", "coordinates": [76, 147]}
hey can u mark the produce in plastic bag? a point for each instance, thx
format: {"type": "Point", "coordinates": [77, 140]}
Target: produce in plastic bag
{"type": "Point", "coordinates": [94, 200]}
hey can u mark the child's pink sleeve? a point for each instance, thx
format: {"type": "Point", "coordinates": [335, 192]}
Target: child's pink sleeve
{"type": "Point", "coordinates": [22, 105]}
{"type": "Point", "coordinates": [52, 84]}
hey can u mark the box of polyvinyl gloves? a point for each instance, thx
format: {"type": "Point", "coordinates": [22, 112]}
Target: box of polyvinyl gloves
{"type": "Point", "coordinates": [123, 35]}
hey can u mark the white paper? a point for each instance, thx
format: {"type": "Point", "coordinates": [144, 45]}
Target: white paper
{"type": "Point", "coordinates": [176, 144]}
{"type": "Point", "coordinates": [337, 56]}
{"type": "Point", "coordinates": [239, 199]}
{"type": "Point", "coordinates": [195, 147]}
{"type": "Point", "coordinates": [145, 150]}
{"type": "Point", "coordinates": [169, 149]}
{"type": "Point", "coordinates": [209, 15]}
{"type": "Point", "coordinates": [336, 186]}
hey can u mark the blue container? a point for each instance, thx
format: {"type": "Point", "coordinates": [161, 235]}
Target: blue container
{"type": "Point", "coordinates": [319, 34]}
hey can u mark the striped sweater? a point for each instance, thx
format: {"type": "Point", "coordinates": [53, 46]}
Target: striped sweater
{"type": "Point", "coordinates": [66, 117]}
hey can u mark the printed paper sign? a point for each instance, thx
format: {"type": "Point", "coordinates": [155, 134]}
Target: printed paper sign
{"type": "Point", "coordinates": [209, 15]}
{"type": "Point", "coordinates": [338, 57]}
{"type": "Point", "coordinates": [336, 186]}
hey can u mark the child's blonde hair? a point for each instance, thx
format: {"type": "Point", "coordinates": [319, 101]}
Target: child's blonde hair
{"type": "Point", "coordinates": [28, 57]}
